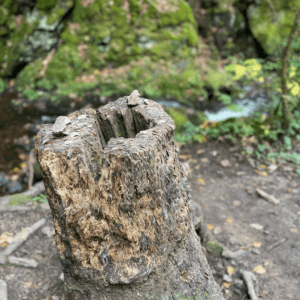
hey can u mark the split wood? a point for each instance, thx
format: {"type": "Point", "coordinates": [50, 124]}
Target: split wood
{"type": "Point", "coordinates": [249, 278]}
{"type": "Point", "coordinates": [276, 244]}
{"type": "Point", "coordinates": [22, 236]}
{"type": "Point", "coordinates": [267, 197]}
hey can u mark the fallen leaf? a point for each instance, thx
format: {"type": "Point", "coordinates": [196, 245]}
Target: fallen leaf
{"type": "Point", "coordinates": [244, 248]}
{"type": "Point", "coordinates": [236, 203]}
{"type": "Point", "coordinates": [259, 269]}
{"type": "Point", "coordinates": [289, 190]}
{"type": "Point", "coordinates": [256, 171]}
{"type": "Point", "coordinates": [226, 284]}
{"type": "Point", "coordinates": [263, 173]}
{"type": "Point", "coordinates": [230, 270]}
{"type": "Point", "coordinates": [293, 230]}
{"type": "Point", "coordinates": [201, 180]}
{"type": "Point", "coordinates": [266, 263]}
{"type": "Point", "coordinates": [261, 294]}
{"type": "Point", "coordinates": [229, 220]}
{"type": "Point", "coordinates": [262, 166]}
{"type": "Point", "coordinates": [257, 226]}
{"type": "Point", "coordinates": [210, 226]}
{"type": "Point", "coordinates": [256, 244]}
{"type": "Point", "coordinates": [200, 188]}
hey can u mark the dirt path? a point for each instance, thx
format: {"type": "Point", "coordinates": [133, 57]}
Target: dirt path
{"type": "Point", "coordinates": [230, 205]}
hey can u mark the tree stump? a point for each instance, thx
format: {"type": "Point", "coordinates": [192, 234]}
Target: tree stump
{"type": "Point", "coordinates": [119, 199]}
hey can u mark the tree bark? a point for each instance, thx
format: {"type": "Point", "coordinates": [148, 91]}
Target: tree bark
{"type": "Point", "coordinates": [119, 199]}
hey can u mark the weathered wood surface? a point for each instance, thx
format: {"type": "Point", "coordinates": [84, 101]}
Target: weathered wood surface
{"type": "Point", "coordinates": [119, 198]}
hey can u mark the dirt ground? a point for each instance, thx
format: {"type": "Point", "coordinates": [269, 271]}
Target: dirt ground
{"type": "Point", "coordinates": [230, 204]}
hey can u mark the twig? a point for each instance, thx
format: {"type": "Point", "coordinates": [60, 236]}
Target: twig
{"type": "Point", "coordinates": [276, 244]}
{"type": "Point", "coordinates": [3, 290]}
{"type": "Point", "coordinates": [249, 278]}
{"type": "Point", "coordinates": [31, 168]}
{"type": "Point", "coordinates": [25, 262]}
{"type": "Point", "coordinates": [267, 197]}
{"type": "Point", "coordinates": [22, 237]}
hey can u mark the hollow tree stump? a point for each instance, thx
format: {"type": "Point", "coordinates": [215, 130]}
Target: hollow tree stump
{"type": "Point", "coordinates": [119, 199]}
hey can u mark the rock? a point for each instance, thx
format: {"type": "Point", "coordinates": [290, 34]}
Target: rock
{"type": "Point", "coordinates": [225, 163]}
{"type": "Point", "coordinates": [46, 230]}
{"type": "Point", "coordinates": [14, 187]}
{"type": "Point", "coordinates": [204, 160]}
{"type": "Point", "coordinates": [227, 278]}
{"type": "Point", "coordinates": [3, 181]}
{"type": "Point", "coordinates": [214, 153]}
{"type": "Point", "coordinates": [60, 125]}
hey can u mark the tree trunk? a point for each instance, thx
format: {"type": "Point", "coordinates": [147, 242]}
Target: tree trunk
{"type": "Point", "coordinates": [119, 199]}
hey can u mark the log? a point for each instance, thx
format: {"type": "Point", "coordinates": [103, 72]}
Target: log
{"type": "Point", "coordinates": [119, 199]}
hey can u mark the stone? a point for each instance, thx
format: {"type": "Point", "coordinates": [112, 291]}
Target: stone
{"type": "Point", "coordinates": [225, 163]}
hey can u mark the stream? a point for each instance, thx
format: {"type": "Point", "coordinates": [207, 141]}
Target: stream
{"type": "Point", "coordinates": [18, 127]}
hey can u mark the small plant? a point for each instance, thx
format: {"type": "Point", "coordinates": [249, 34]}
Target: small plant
{"type": "Point", "coordinates": [40, 199]}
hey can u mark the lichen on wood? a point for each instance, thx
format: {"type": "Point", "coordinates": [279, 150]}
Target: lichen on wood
{"type": "Point", "coordinates": [119, 198]}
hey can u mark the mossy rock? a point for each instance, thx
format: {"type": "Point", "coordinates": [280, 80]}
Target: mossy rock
{"type": "Point", "coordinates": [91, 36]}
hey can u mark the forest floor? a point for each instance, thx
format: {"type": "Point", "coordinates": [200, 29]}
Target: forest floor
{"type": "Point", "coordinates": [224, 184]}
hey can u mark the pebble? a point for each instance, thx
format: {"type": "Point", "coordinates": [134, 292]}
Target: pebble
{"type": "Point", "coordinates": [204, 160]}
{"type": "Point", "coordinates": [46, 230]}
{"type": "Point", "coordinates": [225, 163]}
{"type": "Point", "coordinates": [255, 251]}
{"type": "Point", "coordinates": [236, 203]}
{"type": "Point", "coordinates": [227, 278]}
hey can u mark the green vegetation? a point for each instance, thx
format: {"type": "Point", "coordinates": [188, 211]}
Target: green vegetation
{"type": "Point", "coordinates": [18, 199]}
{"type": "Point", "coordinates": [213, 247]}
{"type": "Point", "coordinates": [40, 199]}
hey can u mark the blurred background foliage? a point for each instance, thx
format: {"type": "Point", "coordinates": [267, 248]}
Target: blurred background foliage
{"type": "Point", "coordinates": [196, 52]}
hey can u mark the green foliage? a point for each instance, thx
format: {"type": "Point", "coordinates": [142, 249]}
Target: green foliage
{"type": "Point", "coordinates": [40, 199]}
{"type": "Point", "coordinates": [18, 199]}
{"type": "Point", "coordinates": [213, 248]}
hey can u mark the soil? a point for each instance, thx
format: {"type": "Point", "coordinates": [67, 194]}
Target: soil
{"type": "Point", "coordinates": [230, 205]}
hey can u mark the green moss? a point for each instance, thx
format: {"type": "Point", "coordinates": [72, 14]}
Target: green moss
{"type": "Point", "coordinates": [30, 74]}
{"type": "Point", "coordinates": [45, 4]}
{"type": "Point", "coordinates": [190, 32]}
{"type": "Point", "coordinates": [3, 15]}
{"type": "Point", "coordinates": [18, 199]}
{"type": "Point", "coordinates": [184, 13]}
{"type": "Point", "coordinates": [69, 38]}
{"type": "Point", "coordinates": [178, 116]}
{"type": "Point", "coordinates": [66, 65]}
{"type": "Point", "coordinates": [213, 248]}
{"type": "Point", "coordinates": [117, 45]}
